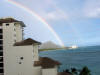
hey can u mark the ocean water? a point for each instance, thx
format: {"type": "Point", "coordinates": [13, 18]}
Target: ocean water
{"type": "Point", "coordinates": [78, 58]}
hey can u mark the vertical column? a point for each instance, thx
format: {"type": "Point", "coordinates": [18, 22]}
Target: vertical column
{"type": "Point", "coordinates": [18, 32]}
{"type": "Point", "coordinates": [35, 53]}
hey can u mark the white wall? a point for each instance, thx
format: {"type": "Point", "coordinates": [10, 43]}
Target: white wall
{"type": "Point", "coordinates": [18, 32]}
{"type": "Point", "coordinates": [14, 65]}
{"type": "Point", "coordinates": [35, 53]}
{"type": "Point", "coordinates": [8, 34]}
{"type": "Point", "coordinates": [37, 70]}
{"type": "Point", "coordinates": [49, 71]}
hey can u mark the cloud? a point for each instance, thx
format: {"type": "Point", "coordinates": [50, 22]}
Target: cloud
{"type": "Point", "coordinates": [56, 15]}
{"type": "Point", "coordinates": [92, 8]}
{"type": "Point", "coordinates": [52, 12]}
{"type": "Point", "coordinates": [48, 9]}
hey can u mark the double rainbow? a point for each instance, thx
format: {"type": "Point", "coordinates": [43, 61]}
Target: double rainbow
{"type": "Point", "coordinates": [34, 14]}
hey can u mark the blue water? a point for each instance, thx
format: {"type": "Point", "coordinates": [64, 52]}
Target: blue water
{"type": "Point", "coordinates": [78, 58]}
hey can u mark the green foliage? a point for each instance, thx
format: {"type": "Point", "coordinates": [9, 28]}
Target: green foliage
{"type": "Point", "coordinates": [74, 71]}
{"type": "Point", "coordinates": [85, 71]}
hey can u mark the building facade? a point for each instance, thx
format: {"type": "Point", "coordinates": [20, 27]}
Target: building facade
{"type": "Point", "coordinates": [19, 56]}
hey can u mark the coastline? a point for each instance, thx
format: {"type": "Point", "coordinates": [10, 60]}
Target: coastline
{"type": "Point", "coordinates": [52, 49]}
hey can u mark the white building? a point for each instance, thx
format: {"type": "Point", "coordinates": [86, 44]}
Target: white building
{"type": "Point", "coordinates": [19, 56]}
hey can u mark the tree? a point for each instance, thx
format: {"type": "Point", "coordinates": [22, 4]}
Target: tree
{"type": "Point", "coordinates": [74, 71]}
{"type": "Point", "coordinates": [85, 71]}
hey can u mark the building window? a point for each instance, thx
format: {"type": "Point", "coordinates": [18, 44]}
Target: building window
{"type": "Point", "coordinates": [1, 70]}
{"type": "Point", "coordinates": [1, 59]}
{"type": "Point", "coordinates": [21, 58]}
{"type": "Point", "coordinates": [1, 53]}
{"type": "Point", "coordinates": [1, 64]}
{"type": "Point", "coordinates": [1, 41]}
{"type": "Point", "coordinates": [1, 31]}
{"type": "Point", "coordinates": [7, 24]}
{"type": "Point", "coordinates": [1, 48]}
{"type": "Point", "coordinates": [1, 36]}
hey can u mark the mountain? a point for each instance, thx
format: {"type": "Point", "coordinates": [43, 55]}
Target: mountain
{"type": "Point", "coordinates": [49, 45]}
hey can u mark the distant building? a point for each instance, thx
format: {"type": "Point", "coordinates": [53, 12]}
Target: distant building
{"type": "Point", "coordinates": [19, 56]}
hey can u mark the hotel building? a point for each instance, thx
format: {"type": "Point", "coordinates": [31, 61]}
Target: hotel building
{"type": "Point", "coordinates": [20, 56]}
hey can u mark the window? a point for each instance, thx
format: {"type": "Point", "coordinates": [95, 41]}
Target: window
{"type": "Point", "coordinates": [1, 48]}
{"type": "Point", "coordinates": [1, 30]}
{"type": "Point", "coordinates": [1, 70]}
{"type": "Point", "coordinates": [1, 74]}
{"type": "Point", "coordinates": [1, 41]}
{"type": "Point", "coordinates": [1, 53]}
{"type": "Point", "coordinates": [1, 36]}
{"type": "Point", "coordinates": [1, 64]}
{"type": "Point", "coordinates": [21, 58]}
{"type": "Point", "coordinates": [1, 59]}
{"type": "Point", "coordinates": [7, 24]}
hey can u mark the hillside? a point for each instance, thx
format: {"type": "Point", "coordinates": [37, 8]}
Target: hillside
{"type": "Point", "coordinates": [49, 45]}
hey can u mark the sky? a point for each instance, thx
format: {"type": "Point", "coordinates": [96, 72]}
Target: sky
{"type": "Point", "coordinates": [71, 22]}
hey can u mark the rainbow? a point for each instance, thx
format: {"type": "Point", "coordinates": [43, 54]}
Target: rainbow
{"type": "Point", "coordinates": [34, 14]}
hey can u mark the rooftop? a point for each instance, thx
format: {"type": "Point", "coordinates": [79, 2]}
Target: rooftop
{"type": "Point", "coordinates": [28, 41]}
{"type": "Point", "coordinates": [10, 20]}
{"type": "Point", "coordinates": [46, 62]}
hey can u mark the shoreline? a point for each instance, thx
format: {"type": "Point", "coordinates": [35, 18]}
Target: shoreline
{"type": "Point", "coordinates": [53, 49]}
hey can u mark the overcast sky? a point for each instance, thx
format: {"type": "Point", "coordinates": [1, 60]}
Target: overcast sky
{"type": "Point", "coordinates": [76, 22]}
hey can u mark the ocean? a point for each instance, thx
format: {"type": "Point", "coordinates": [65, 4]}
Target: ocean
{"type": "Point", "coordinates": [77, 58]}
